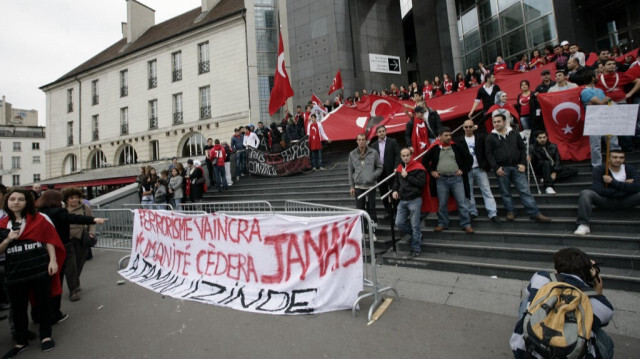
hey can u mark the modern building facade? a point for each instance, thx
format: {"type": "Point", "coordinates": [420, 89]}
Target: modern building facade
{"type": "Point", "coordinates": [22, 146]}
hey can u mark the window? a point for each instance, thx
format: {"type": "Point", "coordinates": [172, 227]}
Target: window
{"type": "Point", "coordinates": [70, 100]}
{"type": "Point", "coordinates": [176, 65]}
{"type": "Point", "coordinates": [205, 102]}
{"type": "Point", "coordinates": [490, 30]}
{"type": "Point", "coordinates": [70, 164]}
{"type": "Point", "coordinates": [470, 20]}
{"type": "Point", "coordinates": [124, 121]}
{"type": "Point", "coordinates": [127, 155]}
{"type": "Point", "coordinates": [124, 83]}
{"type": "Point", "coordinates": [194, 146]}
{"type": "Point", "coordinates": [95, 99]}
{"type": "Point", "coordinates": [541, 31]}
{"type": "Point", "coordinates": [98, 160]}
{"type": "Point", "coordinates": [533, 9]}
{"type": "Point", "coordinates": [153, 114]}
{"type": "Point", "coordinates": [15, 162]}
{"type": "Point", "coordinates": [35, 145]}
{"type": "Point", "coordinates": [155, 150]}
{"type": "Point", "coordinates": [1, 165]}
{"type": "Point", "coordinates": [70, 133]}
{"type": "Point", "coordinates": [487, 9]}
{"type": "Point", "coordinates": [16, 180]}
{"type": "Point", "coordinates": [95, 133]}
{"type": "Point", "coordinates": [471, 40]}
{"type": "Point", "coordinates": [17, 147]}
{"type": "Point", "coordinates": [36, 177]}
{"type": "Point", "coordinates": [177, 109]}
{"type": "Point", "coordinates": [511, 18]}
{"type": "Point", "coordinates": [36, 159]}
{"type": "Point", "coordinates": [153, 74]}
{"type": "Point", "coordinates": [203, 57]}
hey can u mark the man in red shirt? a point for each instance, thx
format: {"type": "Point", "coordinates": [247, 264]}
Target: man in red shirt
{"type": "Point", "coordinates": [217, 155]}
{"type": "Point", "coordinates": [499, 65]}
{"type": "Point", "coordinates": [612, 83]}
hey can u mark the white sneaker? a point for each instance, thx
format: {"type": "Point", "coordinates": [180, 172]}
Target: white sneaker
{"type": "Point", "coordinates": [582, 230]}
{"type": "Point", "coordinates": [549, 190]}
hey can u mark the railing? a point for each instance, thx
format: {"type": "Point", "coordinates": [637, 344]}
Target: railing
{"type": "Point", "coordinates": [203, 67]}
{"type": "Point", "coordinates": [165, 206]}
{"type": "Point", "coordinates": [124, 91]}
{"type": "Point", "coordinates": [95, 100]}
{"type": "Point", "coordinates": [153, 82]}
{"type": "Point", "coordinates": [205, 111]}
{"type": "Point", "coordinates": [177, 118]}
{"type": "Point", "coordinates": [177, 75]}
{"type": "Point", "coordinates": [117, 231]}
{"type": "Point", "coordinates": [153, 122]}
{"type": "Point", "coordinates": [228, 207]}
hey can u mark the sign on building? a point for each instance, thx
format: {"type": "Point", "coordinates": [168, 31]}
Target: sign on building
{"type": "Point", "coordinates": [384, 63]}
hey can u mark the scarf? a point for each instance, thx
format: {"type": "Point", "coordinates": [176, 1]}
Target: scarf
{"type": "Point", "coordinates": [413, 165]}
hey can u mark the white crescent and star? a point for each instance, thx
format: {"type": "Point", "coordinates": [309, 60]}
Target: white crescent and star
{"type": "Point", "coordinates": [281, 65]}
{"type": "Point", "coordinates": [565, 106]}
{"type": "Point", "coordinates": [375, 104]}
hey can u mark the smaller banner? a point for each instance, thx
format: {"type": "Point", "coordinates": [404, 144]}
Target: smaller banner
{"type": "Point", "coordinates": [293, 160]}
{"type": "Point", "coordinates": [265, 263]}
{"type": "Point", "coordinates": [605, 120]}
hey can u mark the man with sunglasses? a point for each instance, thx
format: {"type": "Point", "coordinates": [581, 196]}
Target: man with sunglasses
{"type": "Point", "coordinates": [613, 188]}
{"type": "Point", "coordinates": [474, 144]}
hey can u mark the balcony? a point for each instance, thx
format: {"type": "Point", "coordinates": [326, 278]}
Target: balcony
{"type": "Point", "coordinates": [70, 141]}
{"type": "Point", "coordinates": [153, 82]}
{"type": "Point", "coordinates": [203, 67]}
{"type": "Point", "coordinates": [205, 112]}
{"type": "Point", "coordinates": [177, 118]}
{"type": "Point", "coordinates": [124, 91]}
{"type": "Point", "coordinates": [177, 75]}
{"type": "Point", "coordinates": [153, 122]}
{"type": "Point", "coordinates": [124, 129]}
{"type": "Point", "coordinates": [70, 107]}
{"type": "Point", "coordinates": [95, 100]}
{"type": "Point", "coordinates": [95, 135]}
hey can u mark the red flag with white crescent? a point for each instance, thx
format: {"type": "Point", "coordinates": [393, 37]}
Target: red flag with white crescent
{"type": "Point", "coordinates": [316, 100]}
{"type": "Point", "coordinates": [281, 87]}
{"type": "Point", "coordinates": [337, 83]}
{"type": "Point", "coordinates": [563, 116]}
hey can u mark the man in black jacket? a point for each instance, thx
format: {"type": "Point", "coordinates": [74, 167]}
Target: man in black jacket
{"type": "Point", "coordinates": [410, 180]}
{"type": "Point", "coordinates": [617, 188]}
{"type": "Point", "coordinates": [506, 154]}
{"type": "Point", "coordinates": [389, 152]}
{"type": "Point", "coordinates": [545, 159]}
{"type": "Point", "coordinates": [449, 164]}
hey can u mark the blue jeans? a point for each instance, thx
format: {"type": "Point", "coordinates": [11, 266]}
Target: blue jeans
{"type": "Point", "coordinates": [175, 202]}
{"type": "Point", "coordinates": [596, 148]}
{"type": "Point", "coordinates": [455, 186]}
{"type": "Point", "coordinates": [481, 177]}
{"type": "Point", "coordinates": [316, 159]}
{"type": "Point", "coordinates": [220, 177]}
{"type": "Point", "coordinates": [241, 162]}
{"type": "Point", "coordinates": [519, 179]}
{"type": "Point", "coordinates": [409, 211]}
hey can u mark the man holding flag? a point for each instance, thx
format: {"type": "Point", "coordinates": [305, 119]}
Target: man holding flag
{"type": "Point", "coordinates": [281, 87]}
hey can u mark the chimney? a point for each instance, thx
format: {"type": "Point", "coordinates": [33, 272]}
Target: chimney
{"type": "Point", "coordinates": [139, 18]}
{"type": "Point", "coordinates": [207, 5]}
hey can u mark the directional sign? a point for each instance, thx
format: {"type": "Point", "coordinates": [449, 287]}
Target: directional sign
{"type": "Point", "coordinates": [384, 63]}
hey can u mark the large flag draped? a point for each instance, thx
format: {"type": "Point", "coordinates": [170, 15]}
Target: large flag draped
{"type": "Point", "coordinates": [281, 87]}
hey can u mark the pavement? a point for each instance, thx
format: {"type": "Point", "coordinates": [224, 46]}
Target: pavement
{"type": "Point", "coordinates": [439, 315]}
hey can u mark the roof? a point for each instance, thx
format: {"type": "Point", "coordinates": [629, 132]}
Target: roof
{"type": "Point", "coordinates": [156, 34]}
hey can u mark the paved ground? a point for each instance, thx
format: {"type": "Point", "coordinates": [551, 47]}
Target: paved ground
{"type": "Point", "coordinates": [432, 319]}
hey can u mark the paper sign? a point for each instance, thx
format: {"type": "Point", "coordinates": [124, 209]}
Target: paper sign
{"type": "Point", "coordinates": [602, 120]}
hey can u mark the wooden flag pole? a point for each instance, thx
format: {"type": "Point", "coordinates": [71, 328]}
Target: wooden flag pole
{"type": "Point", "coordinates": [606, 162]}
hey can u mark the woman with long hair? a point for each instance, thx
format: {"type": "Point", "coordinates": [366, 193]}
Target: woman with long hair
{"type": "Point", "coordinates": [536, 60]}
{"type": "Point", "coordinates": [34, 254]}
{"type": "Point", "coordinates": [461, 83]}
{"type": "Point", "coordinates": [447, 84]}
{"type": "Point", "coordinates": [525, 104]}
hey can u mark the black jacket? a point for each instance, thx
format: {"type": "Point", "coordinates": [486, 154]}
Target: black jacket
{"type": "Point", "coordinates": [536, 121]}
{"type": "Point", "coordinates": [616, 189]}
{"type": "Point", "coordinates": [538, 156]}
{"type": "Point", "coordinates": [505, 151]}
{"type": "Point", "coordinates": [479, 150]}
{"type": "Point", "coordinates": [62, 219]}
{"type": "Point", "coordinates": [434, 123]}
{"type": "Point", "coordinates": [391, 155]}
{"type": "Point", "coordinates": [463, 159]}
{"type": "Point", "coordinates": [410, 187]}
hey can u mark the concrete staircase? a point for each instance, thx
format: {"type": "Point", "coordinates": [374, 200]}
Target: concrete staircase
{"type": "Point", "coordinates": [509, 249]}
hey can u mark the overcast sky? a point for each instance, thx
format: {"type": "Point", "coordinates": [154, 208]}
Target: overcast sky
{"type": "Point", "coordinates": [41, 40]}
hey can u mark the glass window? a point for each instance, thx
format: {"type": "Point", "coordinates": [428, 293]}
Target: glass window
{"type": "Point", "coordinates": [491, 50]}
{"type": "Point", "coordinates": [514, 42]}
{"type": "Point", "coordinates": [153, 74]}
{"type": "Point", "coordinates": [15, 162]}
{"type": "Point", "coordinates": [127, 156]}
{"type": "Point", "coordinates": [266, 40]}
{"type": "Point", "coordinates": [267, 62]}
{"type": "Point", "coordinates": [533, 9]}
{"type": "Point", "coordinates": [541, 31]}
{"type": "Point", "coordinates": [490, 30]}
{"type": "Point", "coordinates": [471, 41]}
{"type": "Point", "coordinates": [470, 20]}
{"type": "Point", "coordinates": [70, 164]}
{"type": "Point", "coordinates": [205, 102]}
{"type": "Point", "coordinates": [16, 180]}
{"type": "Point", "coordinates": [36, 177]}
{"type": "Point", "coordinates": [70, 100]}
{"type": "Point", "coordinates": [95, 99]}
{"type": "Point", "coordinates": [98, 160]}
{"type": "Point", "coordinates": [35, 145]}
{"type": "Point", "coordinates": [194, 146]}
{"type": "Point", "coordinates": [460, 28]}
{"type": "Point", "coordinates": [70, 133]}
{"type": "Point", "coordinates": [124, 83]}
{"type": "Point", "coordinates": [94, 128]}
{"type": "Point", "coordinates": [176, 65]}
{"type": "Point", "coordinates": [506, 3]}
{"type": "Point", "coordinates": [17, 146]}
{"type": "Point", "coordinates": [511, 18]}
{"type": "Point", "coordinates": [124, 121]}
{"type": "Point", "coordinates": [487, 9]}
{"type": "Point", "coordinates": [36, 159]}
{"type": "Point", "coordinates": [153, 114]}
{"type": "Point", "coordinates": [155, 150]}
{"type": "Point", "coordinates": [265, 17]}
{"type": "Point", "coordinates": [472, 59]}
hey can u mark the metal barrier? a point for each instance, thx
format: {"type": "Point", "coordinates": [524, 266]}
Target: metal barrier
{"type": "Point", "coordinates": [165, 206]}
{"type": "Point", "coordinates": [117, 231]}
{"type": "Point", "coordinates": [370, 279]}
{"type": "Point", "coordinates": [238, 207]}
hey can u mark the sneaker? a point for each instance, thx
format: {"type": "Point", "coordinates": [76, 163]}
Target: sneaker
{"type": "Point", "coordinates": [495, 219]}
{"type": "Point", "coordinates": [15, 351]}
{"type": "Point", "coordinates": [549, 190]}
{"type": "Point", "coordinates": [61, 319]}
{"type": "Point", "coordinates": [48, 345]}
{"type": "Point", "coordinates": [414, 254]}
{"type": "Point", "coordinates": [321, 168]}
{"type": "Point", "coordinates": [582, 230]}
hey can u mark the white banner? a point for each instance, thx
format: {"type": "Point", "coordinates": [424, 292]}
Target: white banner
{"type": "Point", "coordinates": [605, 120]}
{"type": "Point", "coordinates": [265, 263]}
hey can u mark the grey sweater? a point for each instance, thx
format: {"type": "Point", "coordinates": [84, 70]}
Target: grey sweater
{"type": "Point", "coordinates": [364, 172]}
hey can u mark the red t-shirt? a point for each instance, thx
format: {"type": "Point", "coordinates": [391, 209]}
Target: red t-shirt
{"type": "Point", "coordinates": [612, 84]}
{"type": "Point", "coordinates": [525, 105]}
{"type": "Point", "coordinates": [426, 91]}
{"type": "Point", "coordinates": [461, 86]}
{"type": "Point", "coordinates": [448, 85]}
{"type": "Point", "coordinates": [499, 67]}
{"type": "Point", "coordinates": [535, 62]}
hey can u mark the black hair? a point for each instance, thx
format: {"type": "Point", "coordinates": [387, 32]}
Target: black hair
{"type": "Point", "coordinates": [443, 130]}
{"type": "Point", "coordinates": [30, 206]}
{"type": "Point", "coordinates": [573, 261]}
{"type": "Point", "coordinates": [504, 118]}
{"type": "Point", "coordinates": [217, 141]}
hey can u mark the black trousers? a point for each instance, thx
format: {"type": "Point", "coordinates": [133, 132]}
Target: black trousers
{"type": "Point", "coordinates": [212, 181]}
{"type": "Point", "coordinates": [19, 299]}
{"type": "Point", "coordinates": [367, 203]}
{"type": "Point", "coordinates": [545, 170]}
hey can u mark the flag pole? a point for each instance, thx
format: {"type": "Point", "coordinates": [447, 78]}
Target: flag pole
{"type": "Point", "coordinates": [606, 169]}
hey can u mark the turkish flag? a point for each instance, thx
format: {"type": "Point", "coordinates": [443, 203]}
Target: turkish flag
{"type": "Point", "coordinates": [281, 87]}
{"type": "Point", "coordinates": [315, 100]}
{"type": "Point", "coordinates": [563, 116]}
{"type": "Point", "coordinates": [337, 83]}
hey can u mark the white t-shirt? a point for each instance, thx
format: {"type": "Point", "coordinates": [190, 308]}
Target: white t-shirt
{"type": "Point", "coordinates": [471, 143]}
{"type": "Point", "coordinates": [621, 175]}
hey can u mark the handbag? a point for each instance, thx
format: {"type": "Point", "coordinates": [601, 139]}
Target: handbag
{"type": "Point", "coordinates": [86, 239]}
{"type": "Point", "coordinates": [199, 180]}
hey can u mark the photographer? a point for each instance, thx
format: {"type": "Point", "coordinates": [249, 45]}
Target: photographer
{"type": "Point", "coordinates": [573, 267]}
